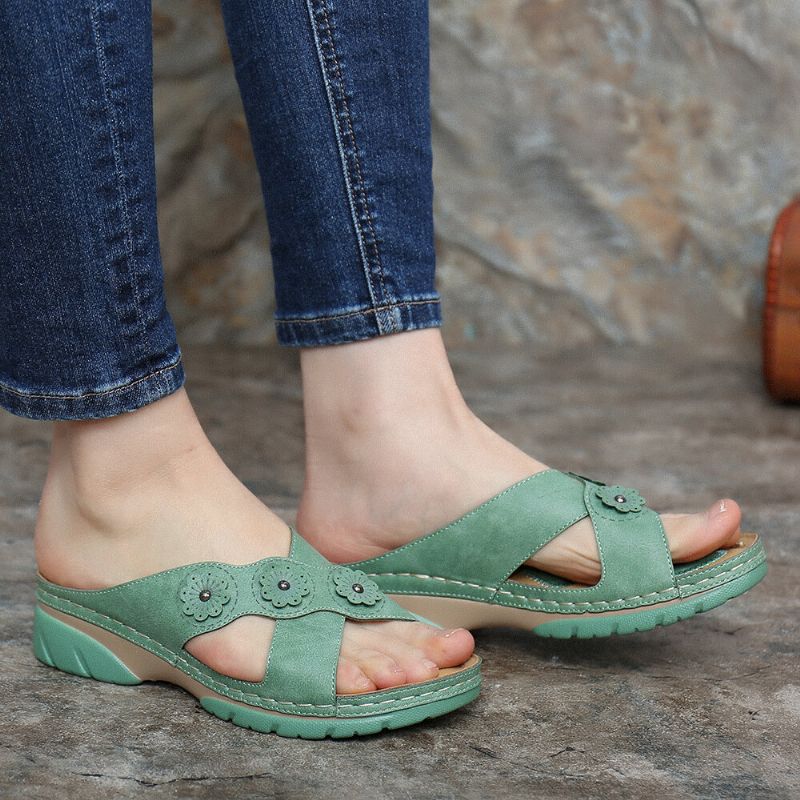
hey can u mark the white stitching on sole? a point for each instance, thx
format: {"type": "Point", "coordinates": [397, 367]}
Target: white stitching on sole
{"type": "Point", "coordinates": [558, 603]}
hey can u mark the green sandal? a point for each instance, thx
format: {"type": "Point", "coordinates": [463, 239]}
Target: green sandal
{"type": "Point", "coordinates": [471, 572]}
{"type": "Point", "coordinates": [137, 631]}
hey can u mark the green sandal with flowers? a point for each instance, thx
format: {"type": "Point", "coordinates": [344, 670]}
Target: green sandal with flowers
{"type": "Point", "coordinates": [137, 631]}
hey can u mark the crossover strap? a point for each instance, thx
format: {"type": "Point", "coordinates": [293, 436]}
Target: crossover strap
{"type": "Point", "coordinates": [634, 552]}
{"type": "Point", "coordinates": [488, 544]}
{"type": "Point", "coordinates": [303, 659]}
{"type": "Point", "coordinates": [635, 559]}
{"type": "Point", "coordinates": [176, 605]}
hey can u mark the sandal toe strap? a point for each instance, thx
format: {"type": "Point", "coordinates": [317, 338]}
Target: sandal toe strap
{"type": "Point", "coordinates": [303, 660]}
{"type": "Point", "coordinates": [636, 563]}
{"type": "Point", "coordinates": [634, 552]}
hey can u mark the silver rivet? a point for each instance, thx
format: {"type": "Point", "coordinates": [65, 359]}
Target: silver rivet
{"type": "Point", "coordinates": [620, 498]}
{"type": "Point", "coordinates": [205, 595]}
{"type": "Point", "coordinates": [284, 585]}
{"type": "Point", "coordinates": [357, 587]}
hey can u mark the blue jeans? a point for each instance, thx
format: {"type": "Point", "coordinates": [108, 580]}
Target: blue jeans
{"type": "Point", "coordinates": [336, 97]}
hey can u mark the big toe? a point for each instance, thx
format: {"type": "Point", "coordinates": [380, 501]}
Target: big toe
{"type": "Point", "coordinates": [692, 536]}
{"type": "Point", "coordinates": [447, 647]}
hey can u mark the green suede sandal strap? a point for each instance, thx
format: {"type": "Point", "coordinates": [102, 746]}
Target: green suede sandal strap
{"type": "Point", "coordinates": [173, 606]}
{"type": "Point", "coordinates": [488, 544]}
{"type": "Point", "coordinates": [636, 563]}
{"type": "Point", "coordinates": [634, 553]}
{"type": "Point", "coordinates": [303, 659]}
{"type": "Point", "coordinates": [476, 556]}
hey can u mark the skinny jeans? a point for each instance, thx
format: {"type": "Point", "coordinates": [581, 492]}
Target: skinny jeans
{"type": "Point", "coordinates": [336, 94]}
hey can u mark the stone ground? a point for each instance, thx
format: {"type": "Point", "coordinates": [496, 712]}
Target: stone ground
{"type": "Point", "coordinates": [709, 708]}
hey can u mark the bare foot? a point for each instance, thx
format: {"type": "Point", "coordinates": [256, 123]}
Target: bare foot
{"type": "Point", "coordinates": [143, 492]}
{"type": "Point", "coordinates": [393, 452]}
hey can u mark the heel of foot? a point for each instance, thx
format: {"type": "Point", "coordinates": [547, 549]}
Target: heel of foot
{"type": "Point", "coordinates": [59, 645]}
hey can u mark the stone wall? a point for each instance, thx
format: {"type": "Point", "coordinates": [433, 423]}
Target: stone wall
{"type": "Point", "coordinates": [604, 169]}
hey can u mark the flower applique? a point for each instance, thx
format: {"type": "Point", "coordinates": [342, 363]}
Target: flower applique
{"type": "Point", "coordinates": [356, 587]}
{"type": "Point", "coordinates": [284, 584]}
{"type": "Point", "coordinates": [621, 498]}
{"type": "Point", "coordinates": [204, 594]}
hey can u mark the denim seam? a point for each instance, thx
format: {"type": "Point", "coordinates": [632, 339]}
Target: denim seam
{"type": "Point", "coordinates": [158, 374]}
{"type": "Point", "coordinates": [359, 312]}
{"type": "Point", "coordinates": [122, 178]}
{"type": "Point", "coordinates": [340, 117]}
{"type": "Point", "coordinates": [348, 117]}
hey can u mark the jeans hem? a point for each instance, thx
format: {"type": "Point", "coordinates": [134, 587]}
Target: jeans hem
{"type": "Point", "coordinates": [359, 324]}
{"type": "Point", "coordinates": [95, 404]}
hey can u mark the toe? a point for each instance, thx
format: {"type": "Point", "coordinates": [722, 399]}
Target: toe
{"type": "Point", "coordinates": [446, 647]}
{"type": "Point", "coordinates": [351, 679]}
{"type": "Point", "coordinates": [380, 668]}
{"type": "Point", "coordinates": [409, 657]}
{"type": "Point", "coordinates": [692, 536]}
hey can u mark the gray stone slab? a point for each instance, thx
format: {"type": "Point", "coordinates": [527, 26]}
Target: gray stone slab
{"type": "Point", "coordinates": [603, 170]}
{"type": "Point", "coordinates": [709, 708]}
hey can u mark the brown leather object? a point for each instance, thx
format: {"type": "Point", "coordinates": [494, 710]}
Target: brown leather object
{"type": "Point", "coordinates": [781, 330]}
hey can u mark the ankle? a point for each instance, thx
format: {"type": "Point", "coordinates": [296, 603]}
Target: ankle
{"type": "Point", "coordinates": [145, 491]}
{"type": "Point", "coordinates": [392, 449]}
{"type": "Point", "coordinates": [377, 376]}
{"type": "Point", "coordinates": [382, 392]}
{"type": "Point", "coordinates": [97, 468]}
{"type": "Point", "coordinates": [109, 479]}
{"type": "Point", "coordinates": [109, 455]}
{"type": "Point", "coordinates": [372, 411]}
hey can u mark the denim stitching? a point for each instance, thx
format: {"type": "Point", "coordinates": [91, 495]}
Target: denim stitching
{"type": "Point", "coordinates": [159, 373]}
{"type": "Point", "coordinates": [373, 310]}
{"type": "Point", "coordinates": [116, 147]}
{"type": "Point", "coordinates": [361, 185]}
{"type": "Point", "coordinates": [334, 80]}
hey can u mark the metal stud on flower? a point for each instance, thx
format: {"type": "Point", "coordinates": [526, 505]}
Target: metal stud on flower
{"type": "Point", "coordinates": [284, 584]}
{"type": "Point", "coordinates": [356, 587]}
{"type": "Point", "coordinates": [204, 594]}
{"type": "Point", "coordinates": [621, 498]}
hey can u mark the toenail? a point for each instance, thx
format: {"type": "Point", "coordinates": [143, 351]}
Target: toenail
{"type": "Point", "coordinates": [430, 664]}
{"type": "Point", "coordinates": [451, 632]}
{"type": "Point", "coordinates": [722, 507]}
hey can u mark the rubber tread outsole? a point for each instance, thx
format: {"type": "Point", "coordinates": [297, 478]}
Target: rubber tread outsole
{"type": "Point", "coordinates": [587, 627]}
